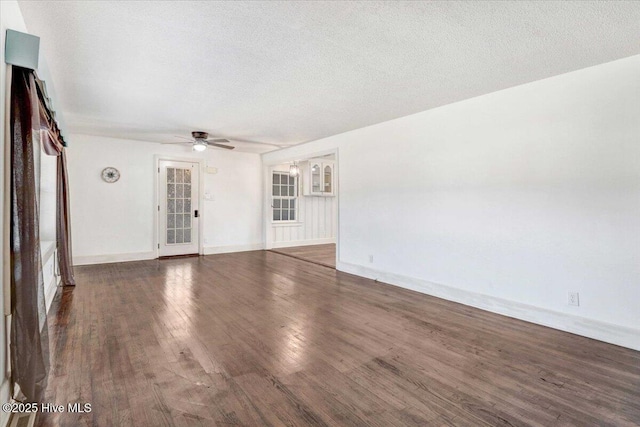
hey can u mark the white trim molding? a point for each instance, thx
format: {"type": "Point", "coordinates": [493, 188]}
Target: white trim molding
{"type": "Point", "coordinates": [50, 292]}
{"type": "Point", "coordinates": [287, 224]}
{"type": "Point", "coordinates": [613, 334]}
{"type": "Point", "coordinates": [212, 250]}
{"type": "Point", "coordinates": [106, 259]}
{"type": "Point", "coordinates": [292, 243]}
{"type": "Point", "coordinates": [143, 256]}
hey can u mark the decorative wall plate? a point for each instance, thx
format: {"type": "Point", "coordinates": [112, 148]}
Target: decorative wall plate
{"type": "Point", "coordinates": [110, 174]}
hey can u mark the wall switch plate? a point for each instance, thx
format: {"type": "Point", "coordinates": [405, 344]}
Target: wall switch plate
{"type": "Point", "coordinates": [371, 259]}
{"type": "Point", "coordinates": [574, 298]}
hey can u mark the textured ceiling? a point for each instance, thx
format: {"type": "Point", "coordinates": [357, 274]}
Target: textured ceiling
{"type": "Point", "coordinates": [290, 72]}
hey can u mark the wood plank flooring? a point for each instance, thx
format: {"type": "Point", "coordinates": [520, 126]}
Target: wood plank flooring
{"type": "Point", "coordinates": [318, 254]}
{"type": "Point", "coordinates": [258, 338]}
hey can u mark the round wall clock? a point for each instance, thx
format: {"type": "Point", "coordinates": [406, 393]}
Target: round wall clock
{"type": "Point", "coordinates": [110, 174]}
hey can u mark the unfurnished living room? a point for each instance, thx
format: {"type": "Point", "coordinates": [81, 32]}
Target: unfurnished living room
{"type": "Point", "coordinates": [320, 213]}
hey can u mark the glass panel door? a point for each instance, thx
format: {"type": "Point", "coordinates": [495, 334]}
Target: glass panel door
{"type": "Point", "coordinates": [178, 233]}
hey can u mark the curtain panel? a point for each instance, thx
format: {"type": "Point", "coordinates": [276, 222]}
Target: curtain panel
{"type": "Point", "coordinates": [63, 222]}
{"type": "Point", "coordinates": [53, 145]}
{"type": "Point", "coordinates": [29, 333]}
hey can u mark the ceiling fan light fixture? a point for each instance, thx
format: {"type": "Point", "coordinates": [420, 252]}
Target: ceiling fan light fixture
{"type": "Point", "coordinates": [199, 146]}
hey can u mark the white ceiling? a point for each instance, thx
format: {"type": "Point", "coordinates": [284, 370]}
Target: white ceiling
{"type": "Point", "coordinates": [290, 72]}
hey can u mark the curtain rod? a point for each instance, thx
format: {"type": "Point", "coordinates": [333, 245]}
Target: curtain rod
{"type": "Point", "coordinates": [23, 50]}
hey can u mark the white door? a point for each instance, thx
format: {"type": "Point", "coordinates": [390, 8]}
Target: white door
{"type": "Point", "coordinates": [178, 209]}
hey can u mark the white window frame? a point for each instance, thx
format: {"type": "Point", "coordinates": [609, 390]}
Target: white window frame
{"type": "Point", "coordinates": [277, 201]}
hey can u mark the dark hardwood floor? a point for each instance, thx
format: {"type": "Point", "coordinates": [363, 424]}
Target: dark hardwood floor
{"type": "Point", "coordinates": [318, 254]}
{"type": "Point", "coordinates": [258, 338]}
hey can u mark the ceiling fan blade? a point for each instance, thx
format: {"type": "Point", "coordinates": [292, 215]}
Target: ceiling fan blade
{"type": "Point", "coordinates": [223, 140]}
{"type": "Point", "coordinates": [228, 147]}
{"type": "Point", "coordinates": [183, 137]}
{"type": "Point", "coordinates": [247, 141]}
{"type": "Point", "coordinates": [166, 143]}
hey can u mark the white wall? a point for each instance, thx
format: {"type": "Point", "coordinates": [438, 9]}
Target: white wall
{"type": "Point", "coordinates": [507, 201]}
{"type": "Point", "coordinates": [113, 222]}
{"type": "Point", "coordinates": [48, 178]}
{"type": "Point", "coordinates": [47, 206]}
{"type": "Point", "coordinates": [316, 224]}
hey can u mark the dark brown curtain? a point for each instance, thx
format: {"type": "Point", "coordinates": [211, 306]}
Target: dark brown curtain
{"type": "Point", "coordinates": [63, 221]}
{"type": "Point", "coordinates": [29, 334]}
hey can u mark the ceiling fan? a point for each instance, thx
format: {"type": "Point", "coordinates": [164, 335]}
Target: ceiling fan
{"type": "Point", "coordinates": [201, 141]}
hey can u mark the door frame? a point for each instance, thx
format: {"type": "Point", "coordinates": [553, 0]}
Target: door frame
{"type": "Point", "coordinates": [156, 199]}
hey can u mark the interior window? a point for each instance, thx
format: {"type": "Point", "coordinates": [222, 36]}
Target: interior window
{"type": "Point", "coordinates": [284, 196]}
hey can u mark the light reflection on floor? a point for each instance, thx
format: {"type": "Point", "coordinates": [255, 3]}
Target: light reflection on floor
{"type": "Point", "coordinates": [178, 299]}
{"type": "Point", "coordinates": [295, 328]}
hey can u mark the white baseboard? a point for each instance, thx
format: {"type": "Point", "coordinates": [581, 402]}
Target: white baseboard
{"type": "Point", "coordinates": [303, 243]}
{"type": "Point", "coordinates": [106, 259]}
{"type": "Point", "coordinates": [212, 250]}
{"type": "Point", "coordinates": [50, 292]}
{"type": "Point", "coordinates": [141, 256]}
{"type": "Point", "coordinates": [613, 334]}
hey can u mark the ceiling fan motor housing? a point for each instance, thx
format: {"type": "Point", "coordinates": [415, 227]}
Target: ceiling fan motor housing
{"type": "Point", "coordinates": [199, 135]}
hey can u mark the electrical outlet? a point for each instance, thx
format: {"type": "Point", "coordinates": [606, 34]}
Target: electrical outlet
{"type": "Point", "coordinates": [574, 298]}
{"type": "Point", "coordinates": [371, 259]}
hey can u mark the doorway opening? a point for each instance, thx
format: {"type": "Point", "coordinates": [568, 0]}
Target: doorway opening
{"type": "Point", "coordinates": [301, 208]}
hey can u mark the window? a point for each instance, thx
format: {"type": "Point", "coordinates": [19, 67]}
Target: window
{"type": "Point", "coordinates": [284, 193]}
